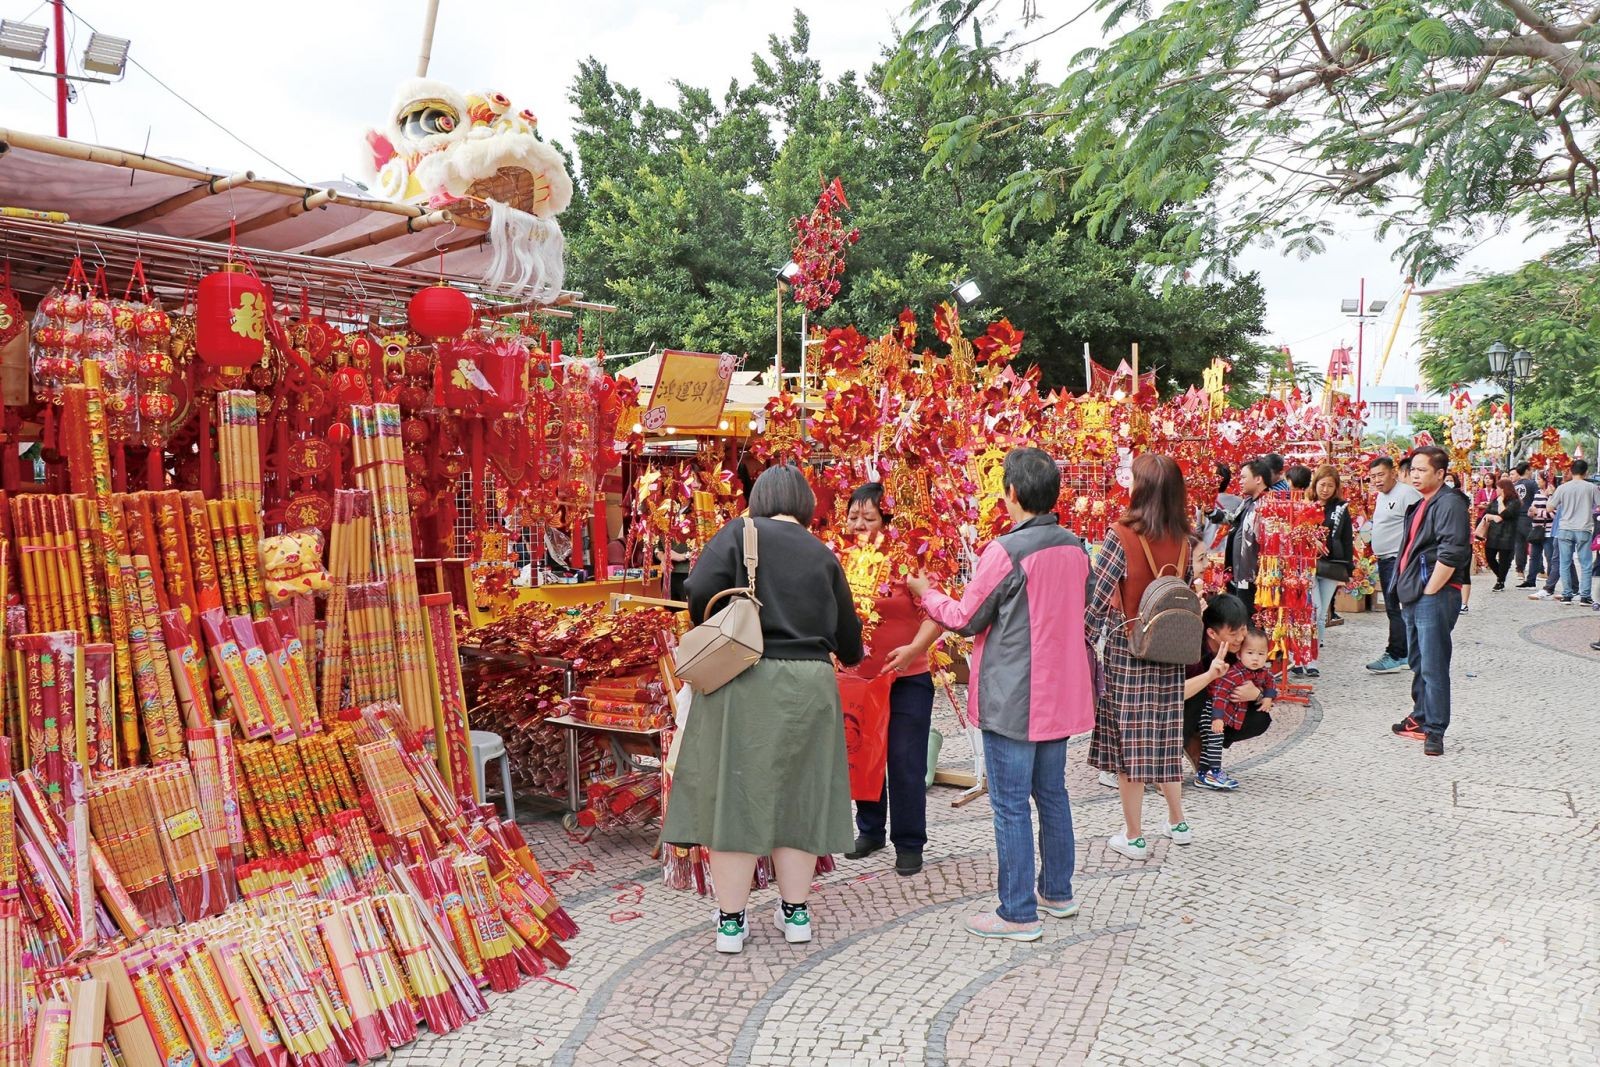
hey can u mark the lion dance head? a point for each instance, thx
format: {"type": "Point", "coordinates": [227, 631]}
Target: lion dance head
{"type": "Point", "coordinates": [480, 158]}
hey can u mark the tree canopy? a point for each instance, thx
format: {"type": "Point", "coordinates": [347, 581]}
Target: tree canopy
{"type": "Point", "coordinates": [1206, 124]}
{"type": "Point", "coordinates": [682, 211]}
{"type": "Point", "coordinates": [1553, 313]}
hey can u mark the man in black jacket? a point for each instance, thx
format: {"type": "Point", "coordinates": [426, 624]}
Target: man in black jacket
{"type": "Point", "coordinates": [1527, 489]}
{"type": "Point", "coordinates": [1436, 552]}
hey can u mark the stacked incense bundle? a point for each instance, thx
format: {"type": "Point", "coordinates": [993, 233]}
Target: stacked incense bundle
{"type": "Point", "coordinates": [380, 462]}
{"type": "Point", "coordinates": [56, 588]}
{"type": "Point", "coordinates": [349, 561]}
{"type": "Point", "coordinates": [186, 848]}
{"type": "Point", "coordinates": [239, 445]}
{"type": "Point", "coordinates": [124, 826]}
{"type": "Point", "coordinates": [453, 740]}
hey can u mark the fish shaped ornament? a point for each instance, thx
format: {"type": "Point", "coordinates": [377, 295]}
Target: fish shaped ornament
{"type": "Point", "coordinates": [476, 155]}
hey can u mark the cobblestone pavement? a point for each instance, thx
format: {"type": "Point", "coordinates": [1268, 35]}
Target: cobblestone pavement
{"type": "Point", "coordinates": [1355, 902]}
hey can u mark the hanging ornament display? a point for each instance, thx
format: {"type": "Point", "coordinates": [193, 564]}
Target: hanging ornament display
{"type": "Point", "coordinates": [820, 242]}
{"type": "Point", "coordinates": [438, 311]}
{"type": "Point", "coordinates": [231, 317]}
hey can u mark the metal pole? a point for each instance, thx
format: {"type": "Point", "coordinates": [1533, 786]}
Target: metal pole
{"type": "Point", "coordinates": [777, 355]}
{"type": "Point", "coordinates": [428, 22]}
{"type": "Point", "coordinates": [804, 432]}
{"type": "Point", "coordinates": [1511, 402]}
{"type": "Point", "coordinates": [1361, 321]}
{"type": "Point", "coordinates": [61, 67]}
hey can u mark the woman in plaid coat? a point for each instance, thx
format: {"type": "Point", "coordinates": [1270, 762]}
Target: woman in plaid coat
{"type": "Point", "coordinates": [1138, 728]}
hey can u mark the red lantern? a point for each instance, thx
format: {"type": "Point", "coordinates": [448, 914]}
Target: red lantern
{"type": "Point", "coordinates": [231, 318]}
{"type": "Point", "coordinates": [440, 311]}
{"type": "Point", "coordinates": [338, 433]}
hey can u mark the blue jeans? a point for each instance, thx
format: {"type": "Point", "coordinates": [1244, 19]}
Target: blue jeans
{"type": "Point", "coordinates": [905, 794]}
{"type": "Point", "coordinates": [1396, 648]}
{"type": "Point", "coordinates": [1575, 551]}
{"type": "Point", "coordinates": [1017, 770]}
{"type": "Point", "coordinates": [1323, 590]}
{"type": "Point", "coordinates": [1429, 623]}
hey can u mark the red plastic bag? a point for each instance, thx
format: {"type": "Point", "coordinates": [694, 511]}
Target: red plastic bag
{"type": "Point", "coordinates": [866, 731]}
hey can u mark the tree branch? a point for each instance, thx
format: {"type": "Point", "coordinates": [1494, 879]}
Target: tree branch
{"type": "Point", "coordinates": [1531, 18]}
{"type": "Point", "coordinates": [1567, 63]}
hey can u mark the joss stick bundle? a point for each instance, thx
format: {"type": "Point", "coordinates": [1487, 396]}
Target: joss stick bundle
{"type": "Point", "coordinates": [393, 789]}
{"type": "Point", "coordinates": [97, 734]}
{"type": "Point", "coordinates": [246, 1000]}
{"type": "Point", "coordinates": [239, 444]}
{"type": "Point", "coordinates": [201, 1019]}
{"type": "Point", "coordinates": [180, 830]}
{"type": "Point", "coordinates": [277, 816]}
{"type": "Point", "coordinates": [352, 984]}
{"type": "Point", "coordinates": [51, 1033]}
{"type": "Point", "coordinates": [390, 991]}
{"type": "Point", "coordinates": [83, 526]}
{"type": "Point", "coordinates": [263, 681]}
{"type": "Point", "coordinates": [453, 740]}
{"type": "Point", "coordinates": [380, 460]}
{"type": "Point", "coordinates": [483, 906]}
{"type": "Point", "coordinates": [295, 1013]}
{"type": "Point", "coordinates": [124, 826]}
{"type": "Point", "coordinates": [425, 971]}
{"type": "Point", "coordinates": [123, 1013]}
{"type": "Point", "coordinates": [227, 660]}
{"type": "Point", "coordinates": [208, 781]}
{"type": "Point", "coordinates": [49, 675]}
{"type": "Point", "coordinates": [370, 637]}
{"type": "Point", "coordinates": [249, 526]}
{"type": "Point", "coordinates": [468, 1003]}
{"type": "Point", "coordinates": [54, 588]}
{"type": "Point", "coordinates": [154, 1003]}
{"type": "Point", "coordinates": [86, 1036]}
{"type": "Point", "coordinates": [13, 1026]}
{"type": "Point", "coordinates": [349, 561]}
{"type": "Point", "coordinates": [225, 550]}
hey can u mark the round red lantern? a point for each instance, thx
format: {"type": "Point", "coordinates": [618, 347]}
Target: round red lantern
{"type": "Point", "coordinates": [338, 433]}
{"type": "Point", "coordinates": [440, 311]}
{"type": "Point", "coordinates": [231, 318]}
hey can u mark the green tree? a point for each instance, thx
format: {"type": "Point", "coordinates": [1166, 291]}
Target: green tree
{"type": "Point", "coordinates": [1553, 313]}
{"type": "Point", "coordinates": [681, 212]}
{"type": "Point", "coordinates": [1204, 125]}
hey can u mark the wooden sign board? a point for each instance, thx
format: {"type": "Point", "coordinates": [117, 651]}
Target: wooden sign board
{"type": "Point", "coordinates": [690, 392]}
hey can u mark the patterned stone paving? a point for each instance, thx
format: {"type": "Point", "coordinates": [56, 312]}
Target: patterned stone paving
{"type": "Point", "coordinates": [1354, 903]}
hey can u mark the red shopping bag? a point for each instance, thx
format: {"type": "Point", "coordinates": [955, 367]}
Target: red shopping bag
{"type": "Point", "coordinates": [866, 731]}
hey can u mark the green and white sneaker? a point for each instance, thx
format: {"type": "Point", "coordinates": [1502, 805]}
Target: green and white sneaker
{"type": "Point", "coordinates": [1180, 833]}
{"type": "Point", "coordinates": [1137, 849]}
{"type": "Point", "coordinates": [797, 927]}
{"type": "Point", "coordinates": [731, 934]}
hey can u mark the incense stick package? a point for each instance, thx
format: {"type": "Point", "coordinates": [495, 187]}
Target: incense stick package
{"type": "Point", "coordinates": [191, 861]}
{"type": "Point", "coordinates": [284, 676]}
{"type": "Point", "coordinates": [209, 789]}
{"type": "Point", "coordinates": [454, 740]}
{"type": "Point", "coordinates": [352, 984]}
{"type": "Point", "coordinates": [380, 460]}
{"type": "Point", "coordinates": [199, 1016]}
{"type": "Point", "coordinates": [98, 735]}
{"type": "Point", "coordinates": [228, 778]}
{"type": "Point", "coordinates": [228, 661]}
{"type": "Point", "coordinates": [8, 825]}
{"type": "Point", "coordinates": [190, 684]}
{"type": "Point", "coordinates": [93, 575]}
{"type": "Point", "coordinates": [172, 1044]}
{"type": "Point", "coordinates": [167, 511]}
{"type": "Point", "coordinates": [50, 693]}
{"type": "Point", "coordinates": [249, 525]}
{"type": "Point", "coordinates": [51, 1033]}
{"type": "Point", "coordinates": [298, 666]}
{"type": "Point", "coordinates": [212, 989]}
{"type": "Point", "coordinates": [86, 1038]}
{"type": "Point", "coordinates": [264, 682]}
{"type": "Point", "coordinates": [123, 825]}
{"type": "Point", "coordinates": [248, 1006]}
{"type": "Point", "coordinates": [124, 1015]}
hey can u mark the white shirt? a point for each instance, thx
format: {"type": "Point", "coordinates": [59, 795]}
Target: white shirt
{"type": "Point", "coordinates": [1389, 519]}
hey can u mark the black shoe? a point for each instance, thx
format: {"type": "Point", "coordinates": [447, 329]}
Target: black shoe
{"type": "Point", "coordinates": [865, 846]}
{"type": "Point", "coordinates": [1408, 727]}
{"type": "Point", "coordinates": [907, 863]}
{"type": "Point", "coordinates": [1596, 646]}
{"type": "Point", "coordinates": [1526, 585]}
{"type": "Point", "coordinates": [1433, 746]}
{"type": "Point", "coordinates": [1499, 587]}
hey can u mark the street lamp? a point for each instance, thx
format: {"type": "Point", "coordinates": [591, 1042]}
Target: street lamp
{"type": "Point", "coordinates": [966, 291]}
{"type": "Point", "coordinates": [1353, 309]}
{"type": "Point", "coordinates": [1510, 368]}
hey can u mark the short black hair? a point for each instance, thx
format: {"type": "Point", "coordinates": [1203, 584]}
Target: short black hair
{"type": "Point", "coordinates": [1225, 612]}
{"type": "Point", "coordinates": [1261, 467]}
{"type": "Point", "coordinates": [1437, 457]}
{"type": "Point", "coordinates": [1275, 461]}
{"type": "Point", "coordinates": [1522, 468]}
{"type": "Point", "coordinates": [1256, 633]}
{"type": "Point", "coordinates": [870, 493]}
{"type": "Point", "coordinates": [1580, 467]}
{"type": "Point", "coordinates": [1299, 476]}
{"type": "Point", "coordinates": [1381, 461]}
{"type": "Point", "coordinates": [783, 490]}
{"type": "Point", "coordinates": [1035, 477]}
{"type": "Point", "coordinates": [1224, 477]}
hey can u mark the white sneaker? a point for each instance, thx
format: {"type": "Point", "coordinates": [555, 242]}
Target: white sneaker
{"type": "Point", "coordinates": [1137, 849]}
{"type": "Point", "coordinates": [731, 936]}
{"type": "Point", "coordinates": [1543, 594]}
{"type": "Point", "coordinates": [1108, 779]}
{"type": "Point", "coordinates": [796, 928]}
{"type": "Point", "coordinates": [1180, 833]}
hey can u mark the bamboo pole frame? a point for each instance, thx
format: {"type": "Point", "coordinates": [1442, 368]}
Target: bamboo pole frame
{"type": "Point", "coordinates": [182, 200]}
{"type": "Point", "coordinates": [294, 209]}
{"type": "Point", "coordinates": [390, 233]}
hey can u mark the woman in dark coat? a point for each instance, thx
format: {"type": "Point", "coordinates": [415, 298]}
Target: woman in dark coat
{"type": "Point", "coordinates": [1498, 530]}
{"type": "Point", "coordinates": [1333, 569]}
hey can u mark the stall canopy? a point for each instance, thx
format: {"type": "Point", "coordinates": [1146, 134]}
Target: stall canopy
{"type": "Point", "coordinates": [349, 251]}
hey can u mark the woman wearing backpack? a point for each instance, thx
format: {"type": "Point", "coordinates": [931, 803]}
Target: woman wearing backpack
{"type": "Point", "coordinates": [1138, 727]}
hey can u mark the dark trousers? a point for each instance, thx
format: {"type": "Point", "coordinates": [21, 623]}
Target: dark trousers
{"type": "Point", "coordinates": [1519, 546]}
{"type": "Point", "coordinates": [1499, 557]}
{"type": "Point", "coordinates": [904, 801]}
{"type": "Point", "coordinates": [1396, 648]}
{"type": "Point", "coordinates": [1535, 562]}
{"type": "Point", "coordinates": [1255, 724]}
{"type": "Point", "coordinates": [1246, 593]}
{"type": "Point", "coordinates": [1429, 625]}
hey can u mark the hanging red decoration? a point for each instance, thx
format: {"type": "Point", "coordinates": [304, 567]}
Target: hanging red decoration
{"type": "Point", "coordinates": [231, 317]}
{"type": "Point", "coordinates": [440, 311]}
{"type": "Point", "coordinates": [820, 242]}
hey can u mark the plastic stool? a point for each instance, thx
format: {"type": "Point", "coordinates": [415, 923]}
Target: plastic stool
{"type": "Point", "coordinates": [487, 746]}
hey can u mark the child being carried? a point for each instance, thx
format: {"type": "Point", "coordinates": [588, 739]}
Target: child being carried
{"type": "Point", "coordinates": [1228, 711]}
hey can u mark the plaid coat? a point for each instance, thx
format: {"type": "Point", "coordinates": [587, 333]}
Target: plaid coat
{"type": "Point", "coordinates": [1138, 722]}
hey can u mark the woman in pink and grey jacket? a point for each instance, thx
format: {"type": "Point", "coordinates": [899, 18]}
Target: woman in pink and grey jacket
{"type": "Point", "coordinates": [1031, 689]}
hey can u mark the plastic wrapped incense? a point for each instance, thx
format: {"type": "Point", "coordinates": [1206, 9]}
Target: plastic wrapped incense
{"type": "Point", "coordinates": [393, 789]}
{"type": "Point", "coordinates": [352, 983]}
{"type": "Point", "coordinates": [93, 578]}
{"type": "Point", "coordinates": [190, 859]}
{"type": "Point", "coordinates": [123, 826]}
{"type": "Point", "coordinates": [245, 999]}
{"type": "Point", "coordinates": [265, 631]}
{"type": "Point", "coordinates": [166, 1031]}
{"type": "Point", "coordinates": [49, 675]}
{"type": "Point", "coordinates": [298, 666]}
{"type": "Point", "coordinates": [228, 660]}
{"type": "Point", "coordinates": [278, 824]}
{"type": "Point", "coordinates": [97, 734]}
{"type": "Point", "coordinates": [189, 679]}
{"type": "Point", "coordinates": [52, 1033]}
{"type": "Point", "coordinates": [209, 788]}
{"type": "Point", "coordinates": [86, 1040]}
{"type": "Point", "coordinates": [263, 681]}
{"type": "Point", "coordinates": [453, 739]}
{"type": "Point", "coordinates": [177, 567]}
{"type": "Point", "coordinates": [8, 826]}
{"type": "Point", "coordinates": [249, 523]}
{"type": "Point", "coordinates": [199, 1016]}
{"type": "Point", "coordinates": [228, 777]}
{"type": "Point", "coordinates": [124, 1014]}
{"type": "Point", "coordinates": [13, 1024]}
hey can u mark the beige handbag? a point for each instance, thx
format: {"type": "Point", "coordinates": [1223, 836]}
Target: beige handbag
{"type": "Point", "coordinates": [729, 642]}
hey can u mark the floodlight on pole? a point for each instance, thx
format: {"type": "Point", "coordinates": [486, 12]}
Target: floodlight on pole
{"type": "Point", "coordinates": [1376, 307]}
{"type": "Point", "coordinates": [106, 55]}
{"type": "Point", "coordinates": [787, 272]}
{"type": "Point", "coordinates": [24, 41]}
{"type": "Point", "coordinates": [1349, 307]}
{"type": "Point", "coordinates": [966, 291]}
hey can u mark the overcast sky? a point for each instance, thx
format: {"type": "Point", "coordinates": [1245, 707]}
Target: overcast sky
{"type": "Point", "coordinates": [299, 81]}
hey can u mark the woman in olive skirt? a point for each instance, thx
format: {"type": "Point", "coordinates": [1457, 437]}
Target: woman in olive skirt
{"type": "Point", "coordinates": [762, 766]}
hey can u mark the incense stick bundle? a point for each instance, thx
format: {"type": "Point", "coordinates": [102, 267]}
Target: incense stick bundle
{"type": "Point", "coordinates": [271, 803]}
{"type": "Point", "coordinates": [391, 993]}
{"type": "Point", "coordinates": [49, 674]}
{"type": "Point", "coordinates": [381, 463]}
{"type": "Point", "coordinates": [227, 661]}
{"type": "Point", "coordinates": [97, 733]}
{"type": "Point", "coordinates": [155, 1005]}
{"type": "Point", "coordinates": [249, 526]}
{"type": "Point", "coordinates": [238, 444]}
{"type": "Point", "coordinates": [245, 998]}
{"type": "Point", "coordinates": [371, 638]}
{"type": "Point", "coordinates": [453, 738]}
{"type": "Point", "coordinates": [334, 931]}
{"type": "Point", "coordinates": [208, 789]}
{"type": "Point", "coordinates": [124, 826]}
{"type": "Point", "coordinates": [51, 1033]}
{"type": "Point", "coordinates": [349, 550]}
{"type": "Point", "coordinates": [191, 861]}
{"type": "Point", "coordinates": [393, 789]}
{"type": "Point", "coordinates": [86, 1035]}
{"type": "Point", "coordinates": [93, 576]}
{"type": "Point", "coordinates": [225, 549]}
